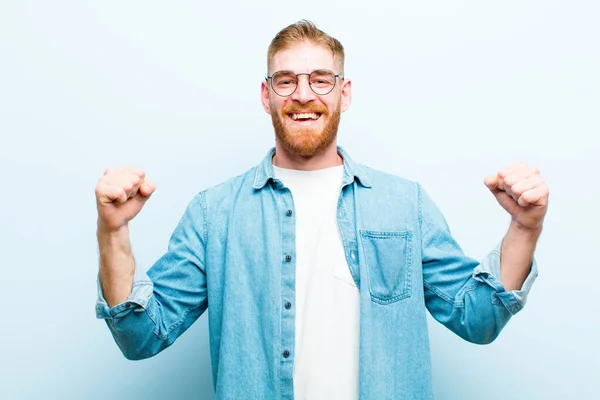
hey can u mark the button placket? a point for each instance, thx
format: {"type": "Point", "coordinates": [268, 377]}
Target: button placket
{"type": "Point", "coordinates": [287, 254]}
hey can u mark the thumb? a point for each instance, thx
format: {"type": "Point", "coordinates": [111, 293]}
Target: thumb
{"type": "Point", "coordinates": [505, 200]}
{"type": "Point", "coordinates": [146, 189]}
{"type": "Point", "coordinates": [491, 181]}
{"type": "Point", "coordinates": [137, 202]}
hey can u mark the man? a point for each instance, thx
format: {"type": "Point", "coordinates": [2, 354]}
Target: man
{"type": "Point", "coordinates": [316, 271]}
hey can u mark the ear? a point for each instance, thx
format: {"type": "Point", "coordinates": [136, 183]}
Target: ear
{"type": "Point", "coordinates": [346, 95]}
{"type": "Point", "coordinates": [264, 97]}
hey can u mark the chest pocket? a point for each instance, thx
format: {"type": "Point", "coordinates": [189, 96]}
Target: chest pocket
{"type": "Point", "coordinates": [388, 259]}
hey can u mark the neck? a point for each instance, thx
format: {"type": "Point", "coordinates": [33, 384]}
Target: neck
{"type": "Point", "coordinates": [325, 159]}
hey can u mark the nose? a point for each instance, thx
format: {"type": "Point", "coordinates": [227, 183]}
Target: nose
{"type": "Point", "coordinates": [303, 93]}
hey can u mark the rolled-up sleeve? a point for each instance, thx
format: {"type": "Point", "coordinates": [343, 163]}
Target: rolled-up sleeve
{"type": "Point", "coordinates": [489, 272]}
{"type": "Point", "coordinates": [462, 293]}
{"type": "Point", "coordinates": [141, 293]}
{"type": "Point", "coordinates": [165, 301]}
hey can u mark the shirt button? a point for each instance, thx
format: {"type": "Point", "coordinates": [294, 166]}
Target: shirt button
{"type": "Point", "coordinates": [353, 255]}
{"type": "Point", "coordinates": [286, 354]}
{"type": "Point", "coordinates": [288, 258]}
{"type": "Point", "coordinates": [288, 213]}
{"type": "Point", "coordinates": [288, 305]}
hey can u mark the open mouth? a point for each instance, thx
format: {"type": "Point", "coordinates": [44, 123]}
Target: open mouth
{"type": "Point", "coordinates": [305, 116]}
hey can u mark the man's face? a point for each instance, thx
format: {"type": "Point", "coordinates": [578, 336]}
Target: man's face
{"type": "Point", "coordinates": [306, 123]}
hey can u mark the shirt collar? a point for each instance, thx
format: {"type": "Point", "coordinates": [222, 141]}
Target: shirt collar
{"type": "Point", "coordinates": [352, 170]}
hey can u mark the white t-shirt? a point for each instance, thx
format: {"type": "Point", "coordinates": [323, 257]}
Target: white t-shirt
{"type": "Point", "coordinates": [327, 299]}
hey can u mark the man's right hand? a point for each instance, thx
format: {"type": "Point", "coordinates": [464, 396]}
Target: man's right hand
{"type": "Point", "coordinates": [120, 195]}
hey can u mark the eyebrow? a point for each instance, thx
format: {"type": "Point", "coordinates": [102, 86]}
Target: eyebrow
{"type": "Point", "coordinates": [292, 72]}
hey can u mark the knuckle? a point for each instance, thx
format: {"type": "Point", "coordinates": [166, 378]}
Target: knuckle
{"type": "Point", "coordinates": [121, 170]}
{"type": "Point", "coordinates": [540, 183]}
{"type": "Point", "coordinates": [121, 195]}
{"type": "Point", "coordinates": [517, 191]}
{"type": "Point", "coordinates": [525, 197]}
{"type": "Point", "coordinates": [509, 181]}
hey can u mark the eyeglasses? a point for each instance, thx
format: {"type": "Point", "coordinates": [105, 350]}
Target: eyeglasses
{"type": "Point", "coordinates": [285, 83]}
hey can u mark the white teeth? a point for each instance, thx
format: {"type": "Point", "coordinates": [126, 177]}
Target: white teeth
{"type": "Point", "coordinates": [304, 116]}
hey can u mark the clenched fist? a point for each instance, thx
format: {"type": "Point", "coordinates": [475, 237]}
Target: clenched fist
{"type": "Point", "coordinates": [522, 192]}
{"type": "Point", "coordinates": [120, 195]}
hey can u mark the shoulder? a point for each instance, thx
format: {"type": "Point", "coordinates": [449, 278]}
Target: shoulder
{"type": "Point", "coordinates": [385, 180]}
{"type": "Point", "coordinates": [229, 189]}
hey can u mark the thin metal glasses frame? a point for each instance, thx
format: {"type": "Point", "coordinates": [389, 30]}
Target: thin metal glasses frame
{"type": "Point", "coordinates": [309, 84]}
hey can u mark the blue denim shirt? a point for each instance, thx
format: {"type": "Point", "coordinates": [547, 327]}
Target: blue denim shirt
{"type": "Point", "coordinates": [233, 253]}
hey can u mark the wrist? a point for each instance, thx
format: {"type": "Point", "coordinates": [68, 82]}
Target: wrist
{"type": "Point", "coordinates": [525, 231]}
{"type": "Point", "coordinates": [110, 240]}
{"type": "Point", "coordinates": [105, 231]}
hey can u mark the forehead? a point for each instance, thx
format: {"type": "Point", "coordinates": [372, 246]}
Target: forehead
{"type": "Point", "coordinates": [303, 57]}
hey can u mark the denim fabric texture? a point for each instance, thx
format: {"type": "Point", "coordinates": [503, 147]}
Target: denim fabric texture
{"type": "Point", "coordinates": [233, 254]}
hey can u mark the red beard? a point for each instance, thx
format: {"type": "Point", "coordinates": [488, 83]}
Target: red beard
{"type": "Point", "coordinates": [306, 142]}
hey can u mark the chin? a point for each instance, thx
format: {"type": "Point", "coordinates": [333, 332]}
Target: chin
{"type": "Point", "coordinates": [306, 144]}
{"type": "Point", "coordinates": [305, 148]}
{"type": "Point", "coordinates": [307, 141]}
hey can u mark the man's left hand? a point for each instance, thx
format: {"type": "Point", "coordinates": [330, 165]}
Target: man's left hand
{"type": "Point", "coordinates": [522, 192]}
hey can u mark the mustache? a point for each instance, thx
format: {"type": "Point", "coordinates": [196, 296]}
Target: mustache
{"type": "Point", "coordinates": [316, 108]}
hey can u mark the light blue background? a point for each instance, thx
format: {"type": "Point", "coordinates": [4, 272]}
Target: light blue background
{"type": "Point", "coordinates": [445, 92]}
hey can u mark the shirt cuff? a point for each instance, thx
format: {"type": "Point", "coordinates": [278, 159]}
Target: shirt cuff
{"type": "Point", "coordinates": [489, 272]}
{"type": "Point", "coordinates": [138, 300]}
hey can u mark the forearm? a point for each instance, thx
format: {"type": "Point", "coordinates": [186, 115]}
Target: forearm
{"type": "Point", "coordinates": [117, 266]}
{"type": "Point", "coordinates": [516, 255]}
